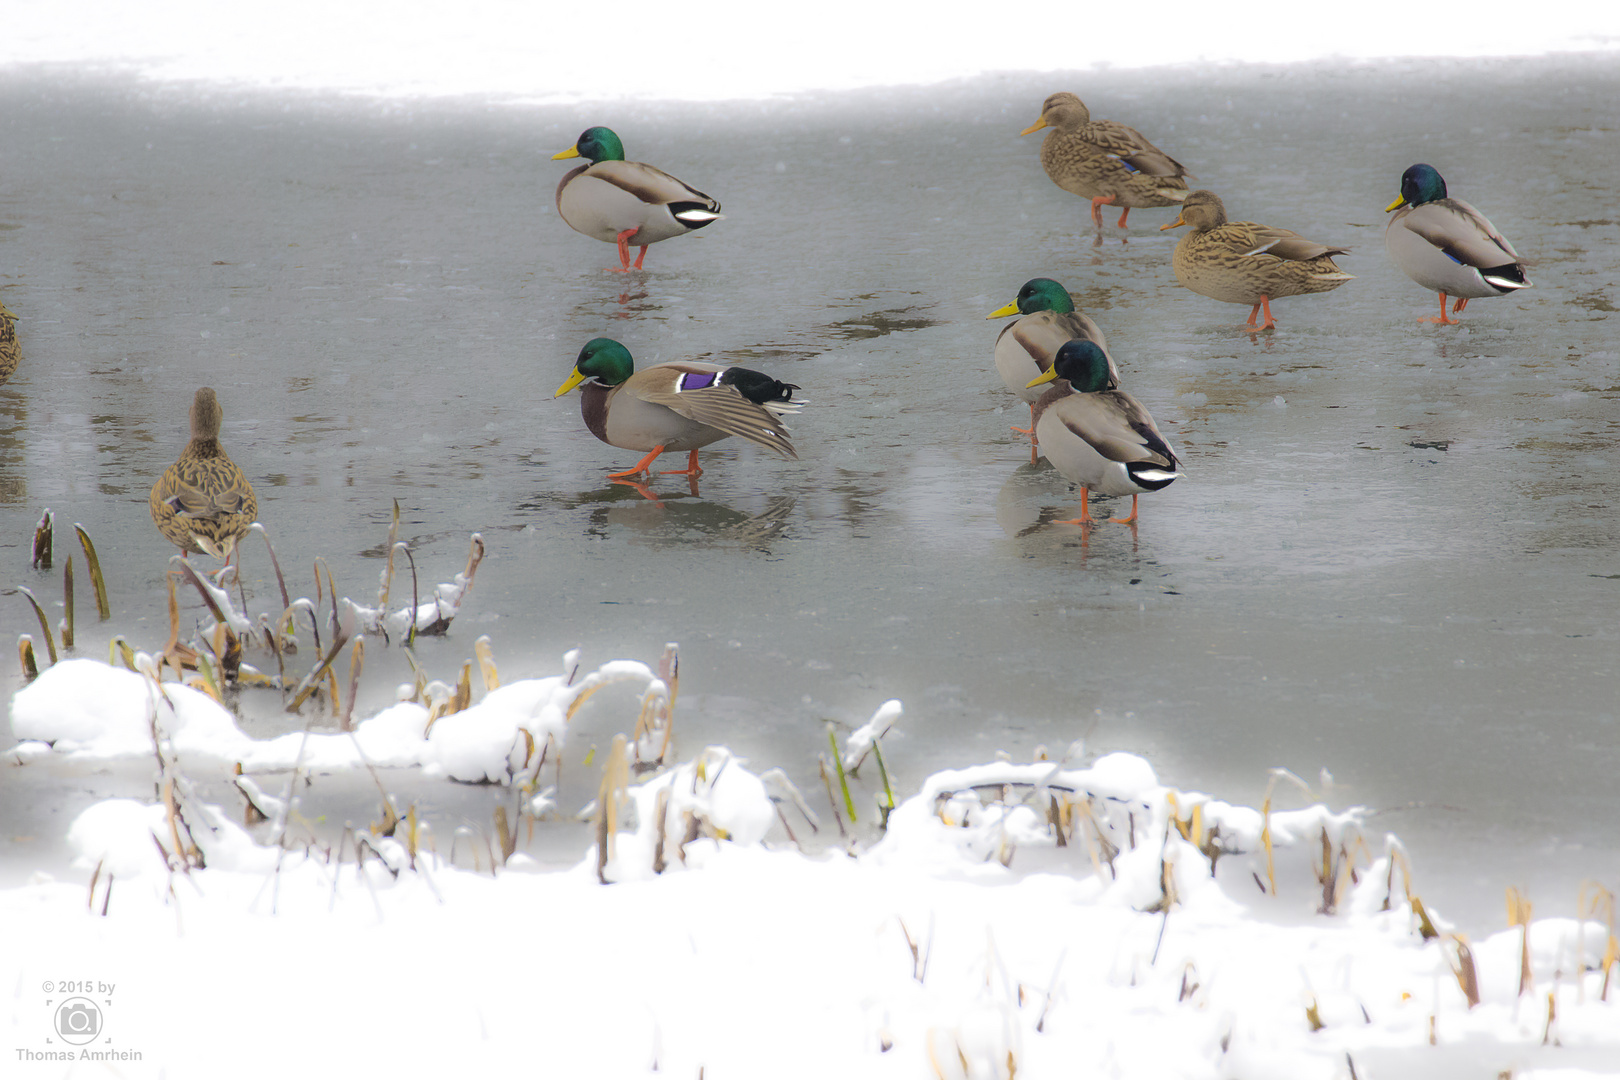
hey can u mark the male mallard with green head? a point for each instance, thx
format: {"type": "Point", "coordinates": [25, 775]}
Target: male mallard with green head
{"type": "Point", "coordinates": [1446, 245]}
{"type": "Point", "coordinates": [674, 406]}
{"type": "Point", "coordinates": [1108, 163]}
{"type": "Point", "coordinates": [1098, 436]}
{"type": "Point", "coordinates": [626, 202]}
{"type": "Point", "coordinates": [1241, 262]}
{"type": "Point", "coordinates": [203, 503]}
{"type": "Point", "coordinates": [1025, 347]}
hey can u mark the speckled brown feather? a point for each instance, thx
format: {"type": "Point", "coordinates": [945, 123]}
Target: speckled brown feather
{"type": "Point", "coordinates": [1086, 157]}
{"type": "Point", "coordinates": [1240, 261]}
{"type": "Point", "coordinates": [203, 503]}
{"type": "Point", "coordinates": [10, 351]}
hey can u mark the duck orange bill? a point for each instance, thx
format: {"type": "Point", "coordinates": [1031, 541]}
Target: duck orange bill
{"type": "Point", "coordinates": [1036, 126]}
{"type": "Point", "coordinates": [1400, 201]}
{"type": "Point", "coordinates": [1003, 312]}
{"type": "Point", "coordinates": [572, 151]}
{"type": "Point", "coordinates": [1044, 377]}
{"type": "Point", "coordinates": [1174, 224]}
{"type": "Point", "coordinates": [573, 380]}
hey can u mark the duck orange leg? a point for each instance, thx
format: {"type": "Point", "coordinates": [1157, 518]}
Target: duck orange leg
{"type": "Point", "coordinates": [1265, 303]}
{"type": "Point", "coordinates": [1034, 442]}
{"type": "Point", "coordinates": [1441, 318]}
{"type": "Point", "coordinates": [1030, 431]}
{"type": "Point", "coordinates": [640, 466]}
{"type": "Point", "coordinates": [1123, 215]}
{"type": "Point", "coordinates": [1127, 520]}
{"type": "Point", "coordinates": [1085, 520]}
{"type": "Point", "coordinates": [1462, 302]}
{"type": "Point", "coordinates": [691, 464]}
{"type": "Point", "coordinates": [1098, 203]}
{"type": "Point", "coordinates": [624, 252]}
{"type": "Point", "coordinates": [641, 256]}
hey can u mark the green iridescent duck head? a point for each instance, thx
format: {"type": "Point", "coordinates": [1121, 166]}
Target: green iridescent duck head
{"type": "Point", "coordinates": [1038, 294]}
{"type": "Point", "coordinates": [595, 144]}
{"type": "Point", "coordinates": [1080, 362]}
{"type": "Point", "coordinates": [602, 359]}
{"type": "Point", "coordinates": [1419, 184]}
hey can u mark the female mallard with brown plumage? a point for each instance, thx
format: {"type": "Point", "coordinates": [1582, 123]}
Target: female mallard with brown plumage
{"type": "Point", "coordinates": [679, 405]}
{"type": "Point", "coordinates": [10, 351]}
{"type": "Point", "coordinates": [202, 502]}
{"type": "Point", "coordinates": [1097, 436]}
{"type": "Point", "coordinates": [1241, 262]}
{"type": "Point", "coordinates": [1026, 347]}
{"type": "Point", "coordinates": [1108, 163]}
{"type": "Point", "coordinates": [626, 202]}
{"type": "Point", "coordinates": [1446, 245]}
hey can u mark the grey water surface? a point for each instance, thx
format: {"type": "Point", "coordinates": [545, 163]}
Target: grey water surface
{"type": "Point", "coordinates": [1393, 555]}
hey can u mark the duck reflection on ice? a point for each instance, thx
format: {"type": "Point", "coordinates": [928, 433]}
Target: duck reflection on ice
{"type": "Point", "coordinates": [683, 517]}
{"type": "Point", "coordinates": [1025, 507]}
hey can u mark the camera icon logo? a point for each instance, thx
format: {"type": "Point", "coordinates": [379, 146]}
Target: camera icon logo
{"type": "Point", "coordinates": [78, 1021]}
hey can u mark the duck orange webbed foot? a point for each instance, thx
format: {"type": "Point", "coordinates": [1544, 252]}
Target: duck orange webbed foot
{"type": "Point", "coordinates": [640, 467]}
{"type": "Point", "coordinates": [1269, 324]}
{"type": "Point", "coordinates": [1127, 520]}
{"type": "Point", "coordinates": [1441, 319]}
{"type": "Point", "coordinates": [692, 469]}
{"type": "Point", "coordinates": [624, 266]}
{"type": "Point", "coordinates": [1098, 203]}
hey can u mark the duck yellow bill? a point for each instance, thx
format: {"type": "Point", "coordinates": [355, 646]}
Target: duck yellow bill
{"type": "Point", "coordinates": [572, 151]}
{"type": "Point", "coordinates": [1044, 377]}
{"type": "Point", "coordinates": [1400, 201]}
{"type": "Point", "coordinates": [1003, 312]}
{"type": "Point", "coordinates": [1174, 224]}
{"type": "Point", "coordinates": [1036, 126]}
{"type": "Point", "coordinates": [573, 380]}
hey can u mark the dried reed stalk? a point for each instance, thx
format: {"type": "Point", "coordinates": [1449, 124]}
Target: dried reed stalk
{"type": "Point", "coordinates": [97, 582]}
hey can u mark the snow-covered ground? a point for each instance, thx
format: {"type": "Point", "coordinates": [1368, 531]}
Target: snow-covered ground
{"type": "Point", "coordinates": [732, 49]}
{"type": "Point", "coordinates": [1033, 919]}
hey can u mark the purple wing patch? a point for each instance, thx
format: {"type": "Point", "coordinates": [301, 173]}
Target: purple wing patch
{"type": "Point", "coordinates": [696, 380]}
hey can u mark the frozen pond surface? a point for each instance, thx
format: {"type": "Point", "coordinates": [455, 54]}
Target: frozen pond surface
{"type": "Point", "coordinates": [1393, 556]}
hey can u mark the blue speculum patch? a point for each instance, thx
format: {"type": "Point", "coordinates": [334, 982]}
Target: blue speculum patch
{"type": "Point", "coordinates": [697, 380]}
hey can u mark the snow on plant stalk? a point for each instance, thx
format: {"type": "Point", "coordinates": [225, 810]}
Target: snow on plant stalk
{"type": "Point", "coordinates": [432, 617]}
{"type": "Point", "coordinates": [864, 738]}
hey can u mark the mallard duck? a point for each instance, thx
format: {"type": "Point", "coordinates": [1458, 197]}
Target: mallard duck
{"type": "Point", "coordinates": [1108, 163]}
{"type": "Point", "coordinates": [10, 352]}
{"type": "Point", "coordinates": [626, 202]}
{"type": "Point", "coordinates": [202, 502]}
{"type": "Point", "coordinates": [1097, 436]}
{"type": "Point", "coordinates": [1241, 262]}
{"type": "Point", "coordinates": [1025, 348]}
{"type": "Point", "coordinates": [1446, 245]}
{"type": "Point", "coordinates": [679, 405]}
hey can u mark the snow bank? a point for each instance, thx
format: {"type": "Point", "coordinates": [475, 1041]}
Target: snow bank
{"type": "Point", "coordinates": [92, 712]}
{"type": "Point", "coordinates": [1038, 919]}
{"type": "Point", "coordinates": [936, 953]}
